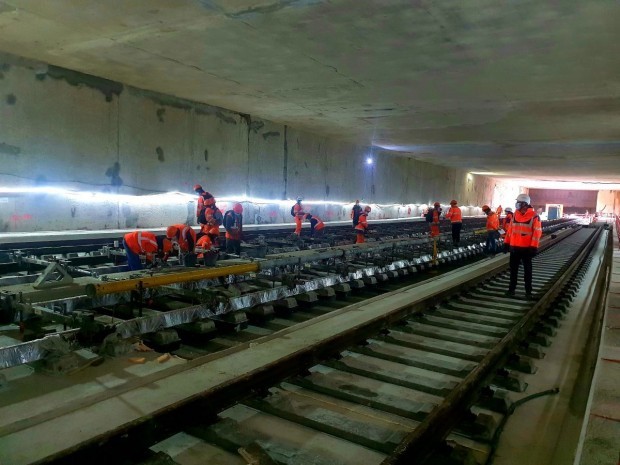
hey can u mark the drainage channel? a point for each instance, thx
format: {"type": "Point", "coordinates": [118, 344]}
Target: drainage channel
{"type": "Point", "coordinates": [361, 404]}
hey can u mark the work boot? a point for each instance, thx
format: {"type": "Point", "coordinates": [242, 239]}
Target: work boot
{"type": "Point", "coordinates": [529, 296]}
{"type": "Point", "coordinates": [510, 293]}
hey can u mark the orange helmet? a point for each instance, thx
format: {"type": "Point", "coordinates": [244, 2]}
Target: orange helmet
{"type": "Point", "coordinates": [453, 202]}
{"type": "Point", "coordinates": [166, 246]}
{"type": "Point", "coordinates": [437, 204]}
{"type": "Point", "coordinates": [367, 208]}
{"type": "Point", "coordinates": [172, 231]}
{"type": "Point", "coordinates": [238, 208]}
{"type": "Point", "coordinates": [486, 208]}
{"type": "Point", "coordinates": [197, 187]}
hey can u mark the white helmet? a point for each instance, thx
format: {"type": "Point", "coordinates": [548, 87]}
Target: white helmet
{"type": "Point", "coordinates": [508, 210]}
{"type": "Point", "coordinates": [523, 198]}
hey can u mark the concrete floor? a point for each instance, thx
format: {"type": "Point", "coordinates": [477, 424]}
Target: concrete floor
{"type": "Point", "coordinates": [545, 431]}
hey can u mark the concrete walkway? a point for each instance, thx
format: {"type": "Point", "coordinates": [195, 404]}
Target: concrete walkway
{"type": "Point", "coordinates": [600, 436]}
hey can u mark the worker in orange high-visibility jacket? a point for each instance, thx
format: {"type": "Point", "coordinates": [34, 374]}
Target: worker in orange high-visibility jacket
{"type": "Point", "coordinates": [523, 235]}
{"type": "Point", "coordinates": [213, 221]}
{"type": "Point", "coordinates": [362, 226]}
{"type": "Point", "coordinates": [434, 214]}
{"type": "Point", "coordinates": [183, 235]}
{"type": "Point", "coordinates": [456, 220]}
{"type": "Point", "coordinates": [299, 213]}
{"type": "Point", "coordinates": [203, 196]}
{"type": "Point", "coordinates": [233, 224]}
{"type": "Point", "coordinates": [356, 211]}
{"type": "Point", "coordinates": [317, 227]}
{"type": "Point", "coordinates": [144, 243]}
{"type": "Point", "coordinates": [507, 219]}
{"type": "Point", "coordinates": [492, 230]}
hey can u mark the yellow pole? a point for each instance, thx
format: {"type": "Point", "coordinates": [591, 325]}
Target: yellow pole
{"type": "Point", "coordinates": [112, 287]}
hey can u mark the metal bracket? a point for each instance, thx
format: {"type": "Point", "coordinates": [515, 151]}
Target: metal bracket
{"type": "Point", "coordinates": [53, 276]}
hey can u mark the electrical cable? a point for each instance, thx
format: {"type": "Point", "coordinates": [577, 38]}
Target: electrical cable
{"type": "Point", "coordinates": [513, 407]}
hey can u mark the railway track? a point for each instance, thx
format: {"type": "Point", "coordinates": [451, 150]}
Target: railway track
{"type": "Point", "coordinates": [374, 385]}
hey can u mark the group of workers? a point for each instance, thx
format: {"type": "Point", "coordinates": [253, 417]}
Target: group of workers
{"type": "Point", "coordinates": [184, 239]}
{"type": "Point", "coordinates": [359, 216]}
{"type": "Point", "coordinates": [521, 231]}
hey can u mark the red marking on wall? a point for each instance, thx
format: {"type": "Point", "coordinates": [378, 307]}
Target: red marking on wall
{"type": "Point", "coordinates": [25, 216]}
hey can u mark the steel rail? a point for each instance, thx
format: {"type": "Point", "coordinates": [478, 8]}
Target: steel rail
{"type": "Point", "coordinates": [418, 446]}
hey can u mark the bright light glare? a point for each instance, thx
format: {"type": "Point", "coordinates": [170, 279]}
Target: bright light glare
{"type": "Point", "coordinates": [369, 161]}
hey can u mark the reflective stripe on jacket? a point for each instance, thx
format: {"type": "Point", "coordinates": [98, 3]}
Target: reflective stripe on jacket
{"type": "Point", "coordinates": [454, 215]}
{"type": "Point", "coordinates": [525, 229]}
{"type": "Point", "coordinates": [141, 242]}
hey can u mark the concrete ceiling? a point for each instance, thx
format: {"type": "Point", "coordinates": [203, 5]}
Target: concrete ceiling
{"type": "Point", "coordinates": [525, 88]}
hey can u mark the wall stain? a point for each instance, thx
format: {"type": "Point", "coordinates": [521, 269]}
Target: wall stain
{"type": "Point", "coordinates": [40, 179]}
{"type": "Point", "coordinates": [75, 78]}
{"type": "Point", "coordinates": [160, 154]}
{"type": "Point", "coordinates": [11, 99]}
{"type": "Point", "coordinates": [256, 126]}
{"type": "Point", "coordinates": [327, 190]}
{"type": "Point", "coordinates": [5, 67]}
{"type": "Point", "coordinates": [227, 119]}
{"type": "Point", "coordinates": [206, 155]}
{"type": "Point", "coordinates": [113, 173]}
{"type": "Point", "coordinates": [9, 149]}
{"type": "Point", "coordinates": [73, 209]}
{"type": "Point", "coordinates": [160, 114]}
{"type": "Point", "coordinates": [269, 134]}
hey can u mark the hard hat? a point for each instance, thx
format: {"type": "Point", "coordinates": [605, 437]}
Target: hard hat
{"type": "Point", "coordinates": [172, 231]}
{"type": "Point", "coordinates": [437, 204]}
{"type": "Point", "coordinates": [299, 199]}
{"type": "Point", "coordinates": [453, 202]}
{"type": "Point", "coordinates": [238, 208]}
{"type": "Point", "coordinates": [166, 246]}
{"type": "Point", "coordinates": [485, 208]}
{"type": "Point", "coordinates": [508, 210]}
{"type": "Point", "coordinates": [367, 208]}
{"type": "Point", "coordinates": [524, 198]}
{"type": "Point", "coordinates": [197, 187]}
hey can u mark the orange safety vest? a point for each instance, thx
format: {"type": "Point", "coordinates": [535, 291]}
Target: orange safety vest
{"type": "Point", "coordinates": [141, 242]}
{"type": "Point", "coordinates": [185, 233]}
{"type": "Point", "coordinates": [233, 223]}
{"type": "Point", "coordinates": [454, 215]}
{"type": "Point", "coordinates": [319, 223]}
{"type": "Point", "coordinates": [506, 221]}
{"type": "Point", "coordinates": [525, 229]}
{"type": "Point", "coordinates": [362, 223]}
{"type": "Point", "coordinates": [492, 222]}
{"type": "Point", "coordinates": [298, 209]}
{"type": "Point", "coordinates": [204, 243]}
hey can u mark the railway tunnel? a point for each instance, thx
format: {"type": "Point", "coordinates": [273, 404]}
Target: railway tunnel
{"type": "Point", "coordinates": [411, 346]}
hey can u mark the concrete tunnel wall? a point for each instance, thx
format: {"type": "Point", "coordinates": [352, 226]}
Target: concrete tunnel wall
{"type": "Point", "coordinates": [62, 129]}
